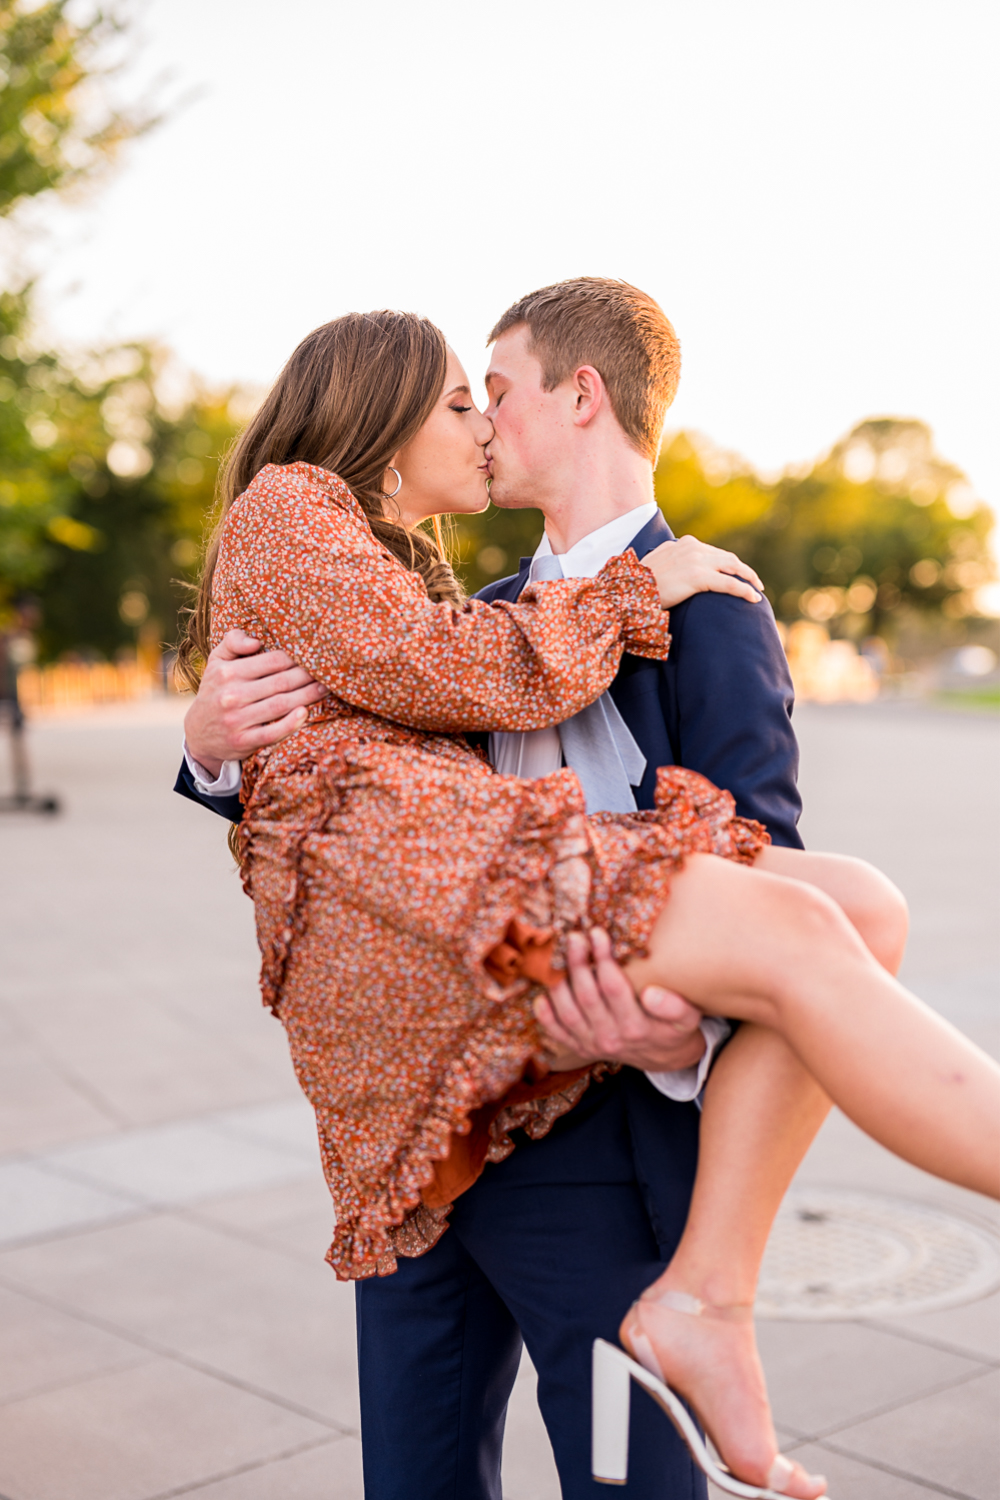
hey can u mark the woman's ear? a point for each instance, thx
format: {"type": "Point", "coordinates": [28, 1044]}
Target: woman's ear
{"type": "Point", "coordinates": [588, 393]}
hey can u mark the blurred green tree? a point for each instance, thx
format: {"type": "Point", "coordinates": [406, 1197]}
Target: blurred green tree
{"type": "Point", "coordinates": [58, 126]}
{"type": "Point", "coordinates": [100, 489]}
{"type": "Point", "coordinates": [108, 462]}
{"type": "Point", "coordinates": [879, 529]}
{"type": "Point", "coordinates": [114, 503]}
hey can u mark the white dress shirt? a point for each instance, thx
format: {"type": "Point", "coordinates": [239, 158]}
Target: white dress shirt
{"type": "Point", "coordinates": [539, 753]}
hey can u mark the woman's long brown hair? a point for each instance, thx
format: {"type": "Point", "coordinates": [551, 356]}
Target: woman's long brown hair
{"type": "Point", "coordinates": [354, 392]}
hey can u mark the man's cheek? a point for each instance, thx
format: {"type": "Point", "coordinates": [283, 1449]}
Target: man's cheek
{"type": "Point", "coordinates": [515, 437]}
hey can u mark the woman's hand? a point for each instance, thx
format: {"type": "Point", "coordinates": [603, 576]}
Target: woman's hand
{"type": "Point", "coordinates": [691, 567]}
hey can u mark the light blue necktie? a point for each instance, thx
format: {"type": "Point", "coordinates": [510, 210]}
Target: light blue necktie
{"type": "Point", "coordinates": [596, 742]}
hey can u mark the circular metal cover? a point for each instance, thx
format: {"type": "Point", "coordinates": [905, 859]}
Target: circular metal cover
{"type": "Point", "coordinates": [836, 1254]}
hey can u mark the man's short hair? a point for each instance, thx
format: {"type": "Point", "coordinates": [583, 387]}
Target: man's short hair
{"type": "Point", "coordinates": [619, 330]}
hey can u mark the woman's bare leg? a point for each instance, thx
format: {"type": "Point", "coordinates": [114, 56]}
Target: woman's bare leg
{"type": "Point", "coordinates": [762, 1109]}
{"type": "Point", "coordinates": [761, 1113]}
{"type": "Point", "coordinates": [771, 949]}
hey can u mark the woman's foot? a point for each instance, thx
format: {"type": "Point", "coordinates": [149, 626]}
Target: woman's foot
{"type": "Point", "coordinates": [708, 1355]}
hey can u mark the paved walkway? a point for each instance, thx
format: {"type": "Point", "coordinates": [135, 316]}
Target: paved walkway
{"type": "Point", "coordinates": [167, 1324]}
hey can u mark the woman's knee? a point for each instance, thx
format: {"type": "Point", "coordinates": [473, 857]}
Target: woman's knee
{"type": "Point", "coordinates": [801, 923]}
{"type": "Point", "coordinates": [883, 917]}
{"type": "Point", "coordinates": [873, 905]}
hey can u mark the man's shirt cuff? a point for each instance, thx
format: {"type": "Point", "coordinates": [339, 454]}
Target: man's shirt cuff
{"type": "Point", "coordinates": [225, 784]}
{"type": "Point", "coordinates": [687, 1083]}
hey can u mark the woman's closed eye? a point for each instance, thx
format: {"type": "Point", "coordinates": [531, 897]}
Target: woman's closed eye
{"type": "Point", "coordinates": [461, 408]}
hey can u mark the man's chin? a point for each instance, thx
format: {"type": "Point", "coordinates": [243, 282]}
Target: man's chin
{"type": "Point", "coordinates": [504, 497]}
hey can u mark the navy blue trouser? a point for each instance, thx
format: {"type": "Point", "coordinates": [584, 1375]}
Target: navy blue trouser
{"type": "Point", "coordinates": [551, 1245]}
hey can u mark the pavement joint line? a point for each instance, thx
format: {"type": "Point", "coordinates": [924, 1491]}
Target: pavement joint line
{"type": "Point", "coordinates": [210, 1118]}
{"type": "Point", "coordinates": [81, 1085]}
{"type": "Point", "coordinates": [92, 1226]}
{"type": "Point", "coordinates": [197, 1216]}
{"type": "Point", "coordinates": [264, 1463]}
{"type": "Point", "coordinates": [875, 1463]}
{"type": "Point", "coordinates": [82, 1179]}
{"type": "Point", "coordinates": [164, 1351]}
{"type": "Point", "coordinates": [912, 1337]}
{"type": "Point", "coordinates": [289, 1162]}
{"type": "Point", "coordinates": [65, 1385]}
{"type": "Point", "coordinates": [822, 1433]}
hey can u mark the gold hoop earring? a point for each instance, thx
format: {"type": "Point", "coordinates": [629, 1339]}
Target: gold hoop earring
{"type": "Point", "coordinates": [399, 483]}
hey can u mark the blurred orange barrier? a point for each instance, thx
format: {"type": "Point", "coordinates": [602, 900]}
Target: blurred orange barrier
{"type": "Point", "coordinates": [79, 684]}
{"type": "Point", "coordinates": [825, 671]}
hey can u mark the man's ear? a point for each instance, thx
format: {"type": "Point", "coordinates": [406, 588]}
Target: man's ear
{"type": "Point", "coordinates": [589, 394]}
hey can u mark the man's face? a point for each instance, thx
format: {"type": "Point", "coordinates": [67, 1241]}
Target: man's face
{"type": "Point", "coordinates": [532, 426]}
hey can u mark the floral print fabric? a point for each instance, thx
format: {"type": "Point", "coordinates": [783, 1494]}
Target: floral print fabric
{"type": "Point", "coordinates": [386, 859]}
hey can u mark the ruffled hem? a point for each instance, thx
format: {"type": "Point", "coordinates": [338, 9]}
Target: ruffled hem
{"type": "Point", "coordinates": [548, 831]}
{"type": "Point", "coordinates": [553, 872]}
{"type": "Point", "coordinates": [553, 869]}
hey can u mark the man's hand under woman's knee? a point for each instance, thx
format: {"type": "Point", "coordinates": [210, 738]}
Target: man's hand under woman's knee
{"type": "Point", "coordinates": [596, 1015]}
{"type": "Point", "coordinates": [248, 699]}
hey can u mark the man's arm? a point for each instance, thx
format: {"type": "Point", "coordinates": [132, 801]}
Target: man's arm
{"type": "Point", "coordinates": [227, 806]}
{"type": "Point", "coordinates": [731, 705]}
{"type": "Point", "coordinates": [247, 700]}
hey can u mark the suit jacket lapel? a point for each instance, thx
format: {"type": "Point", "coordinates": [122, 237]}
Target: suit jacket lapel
{"type": "Point", "coordinates": [519, 581]}
{"type": "Point", "coordinates": [652, 534]}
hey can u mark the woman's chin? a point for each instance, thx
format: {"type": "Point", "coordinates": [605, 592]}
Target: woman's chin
{"type": "Point", "coordinates": [473, 505]}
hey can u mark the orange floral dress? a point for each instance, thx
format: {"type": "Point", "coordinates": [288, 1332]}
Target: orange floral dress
{"type": "Point", "coordinates": [387, 860]}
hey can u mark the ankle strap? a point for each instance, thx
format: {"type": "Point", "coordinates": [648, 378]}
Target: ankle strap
{"type": "Point", "coordinates": [683, 1302]}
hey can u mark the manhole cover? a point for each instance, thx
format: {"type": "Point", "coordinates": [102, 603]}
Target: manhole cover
{"type": "Point", "coordinates": [847, 1255]}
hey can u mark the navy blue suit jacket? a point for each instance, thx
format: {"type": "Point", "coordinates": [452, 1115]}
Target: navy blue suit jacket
{"type": "Point", "coordinates": [720, 704]}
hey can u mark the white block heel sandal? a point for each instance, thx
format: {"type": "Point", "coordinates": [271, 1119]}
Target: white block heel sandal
{"type": "Point", "coordinates": [614, 1370]}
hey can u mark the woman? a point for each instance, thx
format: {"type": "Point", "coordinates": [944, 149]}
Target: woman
{"type": "Point", "coordinates": [410, 901]}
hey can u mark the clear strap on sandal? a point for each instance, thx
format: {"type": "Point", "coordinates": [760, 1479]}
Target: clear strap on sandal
{"type": "Point", "coordinates": [683, 1302]}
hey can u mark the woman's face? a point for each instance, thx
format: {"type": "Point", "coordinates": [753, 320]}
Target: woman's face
{"type": "Point", "coordinates": [443, 469]}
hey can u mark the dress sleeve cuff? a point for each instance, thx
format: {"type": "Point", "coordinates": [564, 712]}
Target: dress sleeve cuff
{"type": "Point", "coordinates": [225, 784]}
{"type": "Point", "coordinates": [632, 589]}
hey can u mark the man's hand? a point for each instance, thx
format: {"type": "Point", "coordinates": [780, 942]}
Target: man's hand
{"type": "Point", "coordinates": [595, 1014]}
{"type": "Point", "coordinates": [691, 567]}
{"type": "Point", "coordinates": [247, 699]}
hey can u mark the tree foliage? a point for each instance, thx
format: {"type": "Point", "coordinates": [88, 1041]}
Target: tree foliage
{"type": "Point", "coordinates": [57, 127]}
{"type": "Point", "coordinates": [107, 472]}
{"type": "Point", "coordinates": [105, 489]}
{"type": "Point", "coordinates": [79, 515]}
{"type": "Point", "coordinates": [879, 529]}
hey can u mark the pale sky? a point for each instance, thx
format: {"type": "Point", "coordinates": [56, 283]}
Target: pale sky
{"type": "Point", "coordinates": [809, 189]}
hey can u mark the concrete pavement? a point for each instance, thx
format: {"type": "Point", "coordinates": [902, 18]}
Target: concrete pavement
{"type": "Point", "coordinates": [167, 1324]}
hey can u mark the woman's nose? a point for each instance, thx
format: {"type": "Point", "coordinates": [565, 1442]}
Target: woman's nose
{"type": "Point", "coordinates": [485, 432]}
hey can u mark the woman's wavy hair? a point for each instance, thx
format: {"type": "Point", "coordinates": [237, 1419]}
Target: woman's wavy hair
{"type": "Point", "coordinates": [354, 392]}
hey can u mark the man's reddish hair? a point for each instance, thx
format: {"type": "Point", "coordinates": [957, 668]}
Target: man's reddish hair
{"type": "Point", "coordinates": [622, 332]}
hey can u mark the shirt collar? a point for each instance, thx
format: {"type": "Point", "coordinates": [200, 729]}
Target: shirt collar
{"type": "Point", "coordinates": [587, 557]}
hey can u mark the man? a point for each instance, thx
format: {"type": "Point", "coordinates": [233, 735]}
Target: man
{"type": "Point", "coordinates": [555, 1242]}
